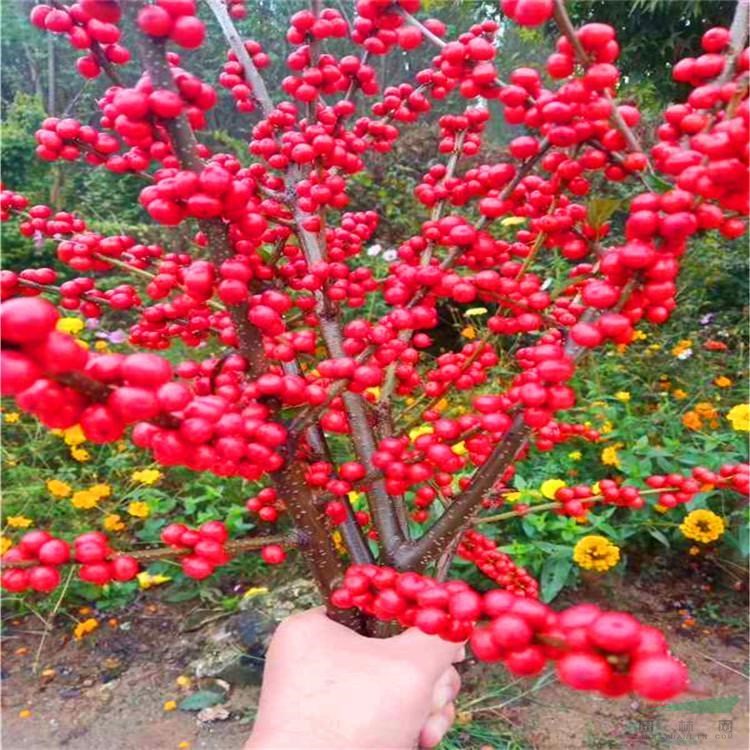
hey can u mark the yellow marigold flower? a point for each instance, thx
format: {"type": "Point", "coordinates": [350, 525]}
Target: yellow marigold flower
{"type": "Point", "coordinates": [595, 552]}
{"type": "Point", "coordinates": [550, 487]}
{"type": "Point", "coordinates": [74, 436]}
{"type": "Point", "coordinates": [58, 488]}
{"type": "Point", "coordinates": [679, 394]}
{"type": "Point", "coordinates": [692, 420]}
{"type": "Point", "coordinates": [469, 333]}
{"type": "Point", "coordinates": [101, 346]}
{"type": "Point", "coordinates": [183, 681]}
{"type": "Point", "coordinates": [739, 416]}
{"type": "Point", "coordinates": [623, 396]}
{"type": "Point", "coordinates": [254, 591]}
{"type": "Point", "coordinates": [85, 627]}
{"type": "Point", "coordinates": [702, 526]}
{"type": "Point", "coordinates": [441, 405]}
{"type": "Point", "coordinates": [113, 522]}
{"type": "Point", "coordinates": [146, 580]}
{"type": "Point", "coordinates": [139, 509]}
{"type": "Point", "coordinates": [18, 522]}
{"type": "Point", "coordinates": [170, 705]}
{"type": "Point", "coordinates": [639, 336]}
{"type": "Point", "coordinates": [5, 544]}
{"type": "Point", "coordinates": [11, 417]}
{"type": "Point", "coordinates": [184, 745]}
{"type": "Point", "coordinates": [84, 500]}
{"type": "Point", "coordinates": [681, 346]}
{"type": "Point", "coordinates": [146, 476]}
{"type": "Point", "coordinates": [70, 325]}
{"type": "Point", "coordinates": [575, 455]}
{"type": "Point", "coordinates": [80, 454]}
{"type": "Point", "coordinates": [694, 550]}
{"type": "Point", "coordinates": [101, 490]}
{"type": "Point", "coordinates": [24, 713]}
{"type": "Point", "coordinates": [722, 381]}
{"type": "Point", "coordinates": [606, 427]}
{"type": "Point", "coordinates": [472, 311]}
{"type": "Point", "coordinates": [609, 455]}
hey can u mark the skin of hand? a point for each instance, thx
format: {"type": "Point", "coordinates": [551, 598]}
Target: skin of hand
{"type": "Point", "coordinates": [325, 686]}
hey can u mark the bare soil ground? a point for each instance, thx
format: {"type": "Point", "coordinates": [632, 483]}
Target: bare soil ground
{"type": "Point", "coordinates": [108, 689]}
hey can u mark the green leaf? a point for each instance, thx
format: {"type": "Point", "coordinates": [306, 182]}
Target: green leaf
{"type": "Point", "coordinates": [554, 574]}
{"type": "Point", "coordinates": [659, 536]}
{"type": "Point", "coordinates": [601, 210]}
{"type": "Point", "coordinates": [656, 184]}
{"type": "Point", "coordinates": [200, 700]}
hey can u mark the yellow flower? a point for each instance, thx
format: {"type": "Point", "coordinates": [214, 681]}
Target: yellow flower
{"type": "Point", "coordinates": [101, 346]}
{"type": "Point", "coordinates": [58, 488]}
{"type": "Point", "coordinates": [139, 509]}
{"type": "Point", "coordinates": [469, 333]}
{"type": "Point", "coordinates": [692, 420]}
{"type": "Point", "coordinates": [722, 381]}
{"type": "Point", "coordinates": [70, 325]}
{"type": "Point", "coordinates": [74, 435]}
{"type": "Point", "coordinates": [146, 580]}
{"type": "Point", "coordinates": [679, 394]}
{"type": "Point", "coordinates": [18, 522]}
{"type": "Point", "coordinates": [681, 347]}
{"type": "Point", "coordinates": [84, 500]}
{"type": "Point", "coordinates": [512, 497]}
{"type": "Point", "coordinates": [460, 449]}
{"type": "Point", "coordinates": [550, 487]}
{"type": "Point", "coordinates": [739, 416]}
{"type": "Point", "coordinates": [5, 544]}
{"type": "Point", "coordinates": [694, 550]}
{"type": "Point", "coordinates": [475, 311]}
{"type": "Point", "coordinates": [606, 427]}
{"type": "Point", "coordinates": [575, 455]}
{"type": "Point", "coordinates": [87, 626]}
{"type": "Point", "coordinates": [24, 713]}
{"type": "Point", "coordinates": [80, 454]}
{"type": "Point", "coordinates": [702, 526]}
{"type": "Point", "coordinates": [100, 490]}
{"type": "Point", "coordinates": [623, 396]}
{"type": "Point", "coordinates": [184, 745]}
{"type": "Point", "coordinates": [639, 336]}
{"type": "Point", "coordinates": [254, 591]}
{"type": "Point", "coordinates": [441, 405]}
{"type": "Point", "coordinates": [595, 488]}
{"type": "Point", "coordinates": [113, 522]}
{"type": "Point", "coordinates": [170, 705]}
{"type": "Point", "coordinates": [596, 553]}
{"type": "Point", "coordinates": [610, 457]}
{"type": "Point", "coordinates": [146, 476]}
{"type": "Point", "coordinates": [183, 681]}
{"type": "Point", "coordinates": [374, 392]}
{"type": "Point", "coordinates": [338, 542]}
{"type": "Point", "coordinates": [11, 417]}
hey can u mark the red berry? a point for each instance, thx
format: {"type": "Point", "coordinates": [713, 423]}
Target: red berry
{"type": "Point", "coordinates": [658, 678]}
{"type": "Point", "coordinates": [25, 320]}
{"type": "Point", "coordinates": [273, 554]}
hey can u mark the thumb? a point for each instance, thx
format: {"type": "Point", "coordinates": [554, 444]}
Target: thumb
{"type": "Point", "coordinates": [432, 652]}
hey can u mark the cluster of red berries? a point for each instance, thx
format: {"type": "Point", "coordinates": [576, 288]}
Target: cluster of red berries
{"type": "Point", "coordinates": [232, 76]}
{"type": "Point", "coordinates": [89, 25]}
{"type": "Point", "coordinates": [496, 565]}
{"type": "Point", "coordinates": [206, 545]}
{"type": "Point", "coordinates": [237, 9]}
{"type": "Point", "coordinates": [39, 556]}
{"type": "Point", "coordinates": [173, 19]}
{"type": "Point", "coordinates": [528, 12]}
{"type": "Point", "coordinates": [266, 504]}
{"type": "Point", "coordinates": [607, 652]}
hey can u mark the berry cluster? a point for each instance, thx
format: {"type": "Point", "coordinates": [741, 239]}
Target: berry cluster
{"type": "Point", "coordinates": [594, 650]}
{"type": "Point", "coordinates": [206, 545]}
{"type": "Point", "coordinates": [232, 76]}
{"type": "Point", "coordinates": [89, 25]}
{"type": "Point", "coordinates": [173, 19]}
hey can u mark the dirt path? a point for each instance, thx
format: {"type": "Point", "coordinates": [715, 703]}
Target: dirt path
{"type": "Point", "coordinates": [108, 689]}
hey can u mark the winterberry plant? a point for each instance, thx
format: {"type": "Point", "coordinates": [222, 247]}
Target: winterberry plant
{"type": "Point", "coordinates": [275, 298]}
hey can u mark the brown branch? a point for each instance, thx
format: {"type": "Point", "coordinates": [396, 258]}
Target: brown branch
{"type": "Point", "coordinates": [252, 75]}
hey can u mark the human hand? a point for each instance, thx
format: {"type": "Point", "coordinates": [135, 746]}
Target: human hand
{"type": "Point", "coordinates": [327, 686]}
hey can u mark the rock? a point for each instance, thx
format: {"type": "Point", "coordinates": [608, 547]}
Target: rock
{"type": "Point", "coordinates": [213, 713]}
{"type": "Point", "coordinates": [234, 650]}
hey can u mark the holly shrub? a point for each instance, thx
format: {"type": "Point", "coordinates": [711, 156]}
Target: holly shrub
{"type": "Point", "coordinates": [266, 348]}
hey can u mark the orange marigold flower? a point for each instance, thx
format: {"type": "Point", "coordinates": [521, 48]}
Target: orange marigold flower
{"type": "Point", "coordinates": [715, 346]}
{"type": "Point", "coordinates": [692, 420]}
